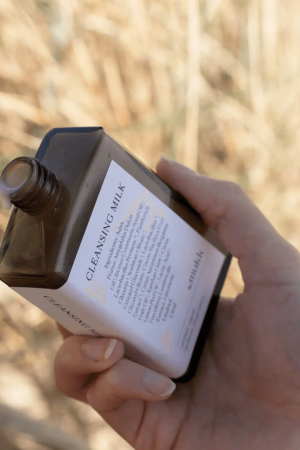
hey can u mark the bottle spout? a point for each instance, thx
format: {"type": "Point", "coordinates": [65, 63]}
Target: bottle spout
{"type": "Point", "coordinates": [12, 179]}
{"type": "Point", "coordinates": [29, 185]}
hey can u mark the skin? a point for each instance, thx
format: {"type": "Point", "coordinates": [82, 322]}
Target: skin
{"type": "Point", "coordinates": [246, 392]}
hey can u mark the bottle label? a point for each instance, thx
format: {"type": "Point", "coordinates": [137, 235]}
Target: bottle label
{"type": "Point", "coordinates": [141, 274]}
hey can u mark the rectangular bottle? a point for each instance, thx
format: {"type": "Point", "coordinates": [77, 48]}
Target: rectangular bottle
{"type": "Point", "coordinates": [104, 247]}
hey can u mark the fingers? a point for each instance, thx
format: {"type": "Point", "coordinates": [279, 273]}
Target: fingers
{"type": "Point", "coordinates": [127, 380]}
{"type": "Point", "coordinates": [79, 357]}
{"type": "Point", "coordinates": [243, 229]}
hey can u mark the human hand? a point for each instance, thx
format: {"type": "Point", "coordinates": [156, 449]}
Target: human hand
{"type": "Point", "coordinates": [246, 391]}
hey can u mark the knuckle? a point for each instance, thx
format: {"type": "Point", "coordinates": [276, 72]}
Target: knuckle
{"type": "Point", "coordinates": [60, 382]}
{"type": "Point", "coordinates": [58, 361]}
{"type": "Point", "coordinates": [104, 394]}
{"type": "Point", "coordinates": [234, 190]}
{"type": "Point", "coordinates": [59, 373]}
{"type": "Point", "coordinates": [230, 194]}
{"type": "Point", "coordinates": [112, 379]}
{"type": "Point", "coordinates": [233, 193]}
{"type": "Point", "coordinates": [60, 385]}
{"type": "Point", "coordinates": [62, 358]}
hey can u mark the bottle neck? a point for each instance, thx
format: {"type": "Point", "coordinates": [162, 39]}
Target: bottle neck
{"type": "Point", "coordinates": [30, 186]}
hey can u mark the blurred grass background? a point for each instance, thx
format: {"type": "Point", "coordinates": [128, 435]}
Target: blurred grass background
{"type": "Point", "coordinates": [214, 84]}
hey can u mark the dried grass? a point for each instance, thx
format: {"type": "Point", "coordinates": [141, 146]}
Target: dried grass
{"type": "Point", "coordinates": [214, 84]}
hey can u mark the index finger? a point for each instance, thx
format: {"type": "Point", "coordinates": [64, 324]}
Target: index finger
{"type": "Point", "coordinates": [264, 256]}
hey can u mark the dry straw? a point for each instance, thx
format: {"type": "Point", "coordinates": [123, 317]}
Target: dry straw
{"type": "Point", "coordinates": [214, 84]}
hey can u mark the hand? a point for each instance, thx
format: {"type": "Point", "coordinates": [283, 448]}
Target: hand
{"type": "Point", "coordinates": [246, 392]}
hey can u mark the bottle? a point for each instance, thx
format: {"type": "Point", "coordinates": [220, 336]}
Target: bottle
{"type": "Point", "coordinates": [103, 246]}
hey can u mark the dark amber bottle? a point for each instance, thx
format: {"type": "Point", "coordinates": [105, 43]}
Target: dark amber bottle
{"type": "Point", "coordinates": [102, 245]}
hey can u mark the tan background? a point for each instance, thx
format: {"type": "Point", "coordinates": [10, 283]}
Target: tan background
{"type": "Point", "coordinates": [213, 84]}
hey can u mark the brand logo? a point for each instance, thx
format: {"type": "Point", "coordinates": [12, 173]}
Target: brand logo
{"type": "Point", "coordinates": [166, 341]}
{"type": "Point", "coordinates": [96, 291]}
{"type": "Point", "coordinates": [196, 264]}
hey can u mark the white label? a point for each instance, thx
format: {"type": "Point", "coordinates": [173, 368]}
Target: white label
{"type": "Point", "coordinates": [141, 274]}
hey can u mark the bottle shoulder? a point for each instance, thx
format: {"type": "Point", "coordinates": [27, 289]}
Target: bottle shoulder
{"type": "Point", "coordinates": [31, 245]}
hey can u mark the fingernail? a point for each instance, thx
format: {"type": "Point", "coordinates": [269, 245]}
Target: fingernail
{"type": "Point", "coordinates": [94, 349]}
{"type": "Point", "coordinates": [158, 384]}
{"type": "Point", "coordinates": [110, 348]}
